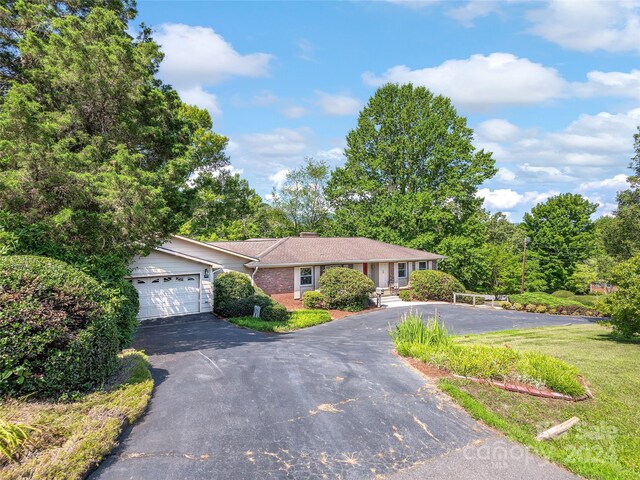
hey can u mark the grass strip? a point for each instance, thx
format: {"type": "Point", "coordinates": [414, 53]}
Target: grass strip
{"type": "Point", "coordinates": [297, 319]}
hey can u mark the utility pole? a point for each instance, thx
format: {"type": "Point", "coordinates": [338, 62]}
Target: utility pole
{"type": "Point", "coordinates": [524, 262]}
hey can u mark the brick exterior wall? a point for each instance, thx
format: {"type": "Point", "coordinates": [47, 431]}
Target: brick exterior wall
{"type": "Point", "coordinates": [275, 280]}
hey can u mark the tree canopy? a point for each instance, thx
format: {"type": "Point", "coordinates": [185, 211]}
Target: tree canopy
{"type": "Point", "coordinates": [302, 196]}
{"type": "Point", "coordinates": [562, 235]}
{"type": "Point", "coordinates": [96, 152]}
{"type": "Point", "coordinates": [411, 176]}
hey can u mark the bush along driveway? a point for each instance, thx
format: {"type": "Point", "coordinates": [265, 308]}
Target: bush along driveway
{"type": "Point", "coordinates": [325, 401]}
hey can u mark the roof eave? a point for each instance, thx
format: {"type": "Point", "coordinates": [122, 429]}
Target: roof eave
{"type": "Point", "coordinates": [373, 260]}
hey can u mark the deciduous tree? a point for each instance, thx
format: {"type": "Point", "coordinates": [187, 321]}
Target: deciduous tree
{"type": "Point", "coordinates": [411, 177]}
{"type": "Point", "coordinates": [562, 235]}
{"type": "Point", "coordinates": [302, 196]}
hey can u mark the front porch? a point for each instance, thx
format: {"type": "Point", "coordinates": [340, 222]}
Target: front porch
{"type": "Point", "coordinates": [390, 276]}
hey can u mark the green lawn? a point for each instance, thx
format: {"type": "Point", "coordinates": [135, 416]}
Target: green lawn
{"type": "Point", "coordinates": [606, 442]}
{"type": "Point", "coordinates": [297, 320]}
{"type": "Point", "coordinates": [67, 439]}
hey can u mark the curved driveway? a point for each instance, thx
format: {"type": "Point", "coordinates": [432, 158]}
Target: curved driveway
{"type": "Point", "coordinates": [327, 402]}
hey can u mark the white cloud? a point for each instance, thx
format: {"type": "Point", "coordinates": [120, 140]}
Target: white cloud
{"type": "Point", "coordinates": [586, 25]}
{"type": "Point", "coordinates": [548, 174]}
{"type": "Point", "coordinates": [281, 142]}
{"type": "Point", "coordinates": [508, 199]}
{"type": "Point", "coordinates": [279, 177]}
{"type": "Point", "coordinates": [467, 13]}
{"type": "Point", "coordinates": [196, 95]}
{"type": "Point", "coordinates": [338, 104]}
{"type": "Point", "coordinates": [200, 56]}
{"type": "Point", "coordinates": [294, 111]}
{"type": "Point", "coordinates": [618, 182]}
{"type": "Point", "coordinates": [497, 130]}
{"type": "Point", "coordinates": [482, 82]}
{"type": "Point", "coordinates": [505, 175]}
{"type": "Point", "coordinates": [333, 155]}
{"type": "Point", "coordinates": [610, 84]}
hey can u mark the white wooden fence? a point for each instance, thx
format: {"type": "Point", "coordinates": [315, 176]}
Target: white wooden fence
{"type": "Point", "coordinates": [474, 296]}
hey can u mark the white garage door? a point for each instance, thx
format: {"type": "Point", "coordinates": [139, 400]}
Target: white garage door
{"type": "Point", "coordinates": [166, 296]}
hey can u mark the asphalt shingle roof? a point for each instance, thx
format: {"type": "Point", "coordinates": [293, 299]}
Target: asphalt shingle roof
{"type": "Point", "coordinates": [322, 250]}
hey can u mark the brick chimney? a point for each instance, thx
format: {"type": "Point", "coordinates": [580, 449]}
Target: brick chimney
{"type": "Point", "coordinates": [308, 234]}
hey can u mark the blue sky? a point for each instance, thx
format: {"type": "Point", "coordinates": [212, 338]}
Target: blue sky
{"type": "Point", "coordinates": [551, 88]}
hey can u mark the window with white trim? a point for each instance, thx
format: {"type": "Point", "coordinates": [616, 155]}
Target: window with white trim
{"type": "Point", "coordinates": [422, 265]}
{"type": "Point", "coordinates": [402, 270]}
{"type": "Point", "coordinates": [306, 276]}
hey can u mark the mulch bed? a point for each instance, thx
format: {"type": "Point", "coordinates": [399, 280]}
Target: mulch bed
{"type": "Point", "coordinates": [288, 301]}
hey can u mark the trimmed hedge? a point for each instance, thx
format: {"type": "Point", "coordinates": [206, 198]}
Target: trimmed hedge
{"type": "Point", "coordinates": [346, 289]}
{"type": "Point", "coordinates": [406, 295]}
{"type": "Point", "coordinates": [58, 328]}
{"type": "Point", "coordinates": [236, 297]}
{"type": "Point", "coordinates": [231, 286]}
{"type": "Point", "coordinates": [434, 285]}
{"type": "Point", "coordinates": [313, 300]}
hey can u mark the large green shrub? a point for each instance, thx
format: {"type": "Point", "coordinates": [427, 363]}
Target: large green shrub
{"type": "Point", "coordinates": [236, 297]}
{"type": "Point", "coordinates": [232, 286]}
{"type": "Point", "coordinates": [434, 285]}
{"type": "Point", "coordinates": [623, 305]}
{"type": "Point", "coordinates": [346, 289]}
{"type": "Point", "coordinates": [58, 328]}
{"type": "Point", "coordinates": [313, 299]}
{"type": "Point", "coordinates": [274, 312]}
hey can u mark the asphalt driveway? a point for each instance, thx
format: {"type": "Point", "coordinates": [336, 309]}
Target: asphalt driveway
{"type": "Point", "coordinates": [327, 402]}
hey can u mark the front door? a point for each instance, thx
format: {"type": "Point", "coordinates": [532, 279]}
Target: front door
{"type": "Point", "coordinates": [383, 275]}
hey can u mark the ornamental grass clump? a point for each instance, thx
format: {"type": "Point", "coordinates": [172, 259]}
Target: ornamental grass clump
{"type": "Point", "coordinates": [12, 437]}
{"type": "Point", "coordinates": [413, 330]}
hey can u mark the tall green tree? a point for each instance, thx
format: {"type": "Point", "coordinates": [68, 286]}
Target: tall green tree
{"type": "Point", "coordinates": [622, 237]}
{"type": "Point", "coordinates": [503, 254]}
{"type": "Point", "coordinates": [224, 207]}
{"type": "Point", "coordinates": [23, 17]}
{"type": "Point", "coordinates": [562, 235]}
{"type": "Point", "coordinates": [411, 178]}
{"type": "Point", "coordinates": [302, 197]}
{"type": "Point", "coordinates": [96, 152]}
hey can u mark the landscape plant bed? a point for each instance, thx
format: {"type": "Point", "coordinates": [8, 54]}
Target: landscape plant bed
{"type": "Point", "coordinates": [605, 442]}
{"type": "Point", "coordinates": [297, 319]}
{"type": "Point", "coordinates": [434, 372]}
{"type": "Point", "coordinates": [537, 302]}
{"type": "Point", "coordinates": [432, 344]}
{"type": "Point", "coordinates": [69, 439]}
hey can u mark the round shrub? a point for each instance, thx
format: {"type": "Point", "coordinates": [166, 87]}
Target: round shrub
{"type": "Point", "coordinates": [232, 286]}
{"type": "Point", "coordinates": [346, 289]}
{"type": "Point", "coordinates": [313, 300]}
{"type": "Point", "coordinates": [541, 309]}
{"type": "Point", "coordinates": [58, 328]}
{"type": "Point", "coordinates": [506, 305]}
{"type": "Point", "coordinates": [243, 307]}
{"type": "Point", "coordinates": [434, 285]}
{"type": "Point", "coordinates": [563, 294]}
{"type": "Point", "coordinates": [531, 308]}
{"type": "Point", "coordinates": [275, 313]}
{"type": "Point", "coordinates": [518, 306]}
{"type": "Point", "coordinates": [406, 295]}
